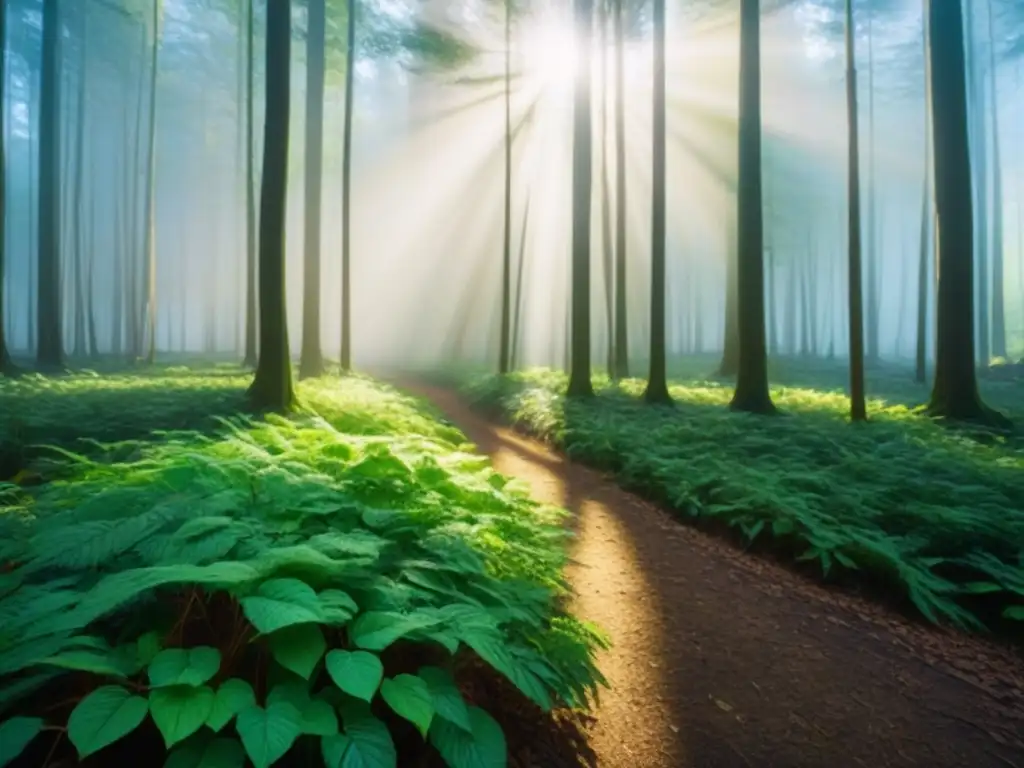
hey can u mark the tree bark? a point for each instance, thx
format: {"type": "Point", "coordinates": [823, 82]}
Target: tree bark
{"type": "Point", "coordinates": [251, 299]}
{"type": "Point", "coordinates": [6, 364]}
{"type": "Point", "coordinates": [751, 392]}
{"type": "Point", "coordinates": [272, 387]}
{"type": "Point", "coordinates": [858, 406]}
{"type": "Point", "coordinates": [621, 344]}
{"type": "Point", "coordinates": [998, 278]}
{"type": "Point", "coordinates": [346, 188]}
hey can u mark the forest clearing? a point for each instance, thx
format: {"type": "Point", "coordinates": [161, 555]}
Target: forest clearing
{"type": "Point", "coordinates": [653, 400]}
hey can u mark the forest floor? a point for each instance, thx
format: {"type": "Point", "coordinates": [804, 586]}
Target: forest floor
{"type": "Point", "coordinates": [724, 659]}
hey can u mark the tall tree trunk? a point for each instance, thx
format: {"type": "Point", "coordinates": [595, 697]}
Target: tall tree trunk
{"type": "Point", "coordinates": [49, 322]}
{"type": "Point", "coordinates": [657, 377]}
{"type": "Point", "coordinates": [955, 389]}
{"type": "Point", "coordinates": [346, 192]}
{"type": "Point", "coordinates": [730, 364]}
{"type": "Point", "coordinates": [33, 184]}
{"type": "Point", "coordinates": [873, 256]}
{"type": "Point", "coordinates": [621, 362]}
{"type": "Point", "coordinates": [998, 278]}
{"type": "Point", "coordinates": [752, 377]}
{"type": "Point", "coordinates": [272, 386]}
{"type": "Point", "coordinates": [90, 278]}
{"type": "Point", "coordinates": [580, 384]}
{"type": "Point", "coordinates": [921, 350]}
{"type": "Point", "coordinates": [6, 365]}
{"type": "Point", "coordinates": [769, 252]}
{"type": "Point", "coordinates": [149, 247]}
{"type": "Point", "coordinates": [858, 406]}
{"type": "Point", "coordinates": [505, 343]}
{"type": "Point", "coordinates": [311, 361]}
{"type": "Point", "coordinates": [78, 344]}
{"type": "Point", "coordinates": [607, 246]}
{"type": "Point", "coordinates": [978, 138]}
{"type": "Point", "coordinates": [251, 267]}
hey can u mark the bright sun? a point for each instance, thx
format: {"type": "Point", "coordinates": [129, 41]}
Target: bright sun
{"type": "Point", "coordinates": [549, 51]}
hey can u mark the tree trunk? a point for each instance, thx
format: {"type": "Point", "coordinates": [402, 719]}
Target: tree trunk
{"type": "Point", "coordinates": [580, 384]}
{"type": "Point", "coordinates": [621, 366]}
{"type": "Point", "coordinates": [998, 278]}
{"type": "Point", "coordinates": [272, 387]}
{"type": "Point", "coordinates": [752, 377]}
{"type": "Point", "coordinates": [505, 342]}
{"type": "Point", "coordinates": [49, 321]}
{"type": "Point", "coordinates": [955, 389]}
{"type": "Point", "coordinates": [311, 361]}
{"type": "Point", "coordinates": [346, 189]}
{"type": "Point", "coordinates": [921, 350]}
{"type": "Point", "coordinates": [657, 377]}
{"type": "Point", "coordinates": [858, 406]}
{"type": "Point", "coordinates": [149, 246]}
{"type": "Point", "coordinates": [78, 344]}
{"type": "Point", "coordinates": [6, 365]}
{"type": "Point", "coordinates": [520, 269]}
{"type": "Point", "coordinates": [251, 320]}
{"type": "Point", "coordinates": [977, 136]}
{"type": "Point", "coordinates": [872, 256]}
{"type": "Point", "coordinates": [607, 246]}
{"type": "Point", "coordinates": [731, 341]}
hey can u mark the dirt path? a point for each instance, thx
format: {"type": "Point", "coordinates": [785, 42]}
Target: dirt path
{"type": "Point", "coordinates": [721, 659]}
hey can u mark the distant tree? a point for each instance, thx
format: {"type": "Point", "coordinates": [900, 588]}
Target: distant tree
{"type": "Point", "coordinates": [580, 384]}
{"type": "Point", "coordinates": [620, 369]}
{"type": "Point", "coordinates": [924, 252]}
{"type": "Point", "coordinates": [751, 393]}
{"type": "Point", "coordinates": [346, 189]}
{"type": "Point", "coordinates": [657, 378]}
{"type": "Point", "coordinates": [998, 277]}
{"type": "Point", "coordinates": [955, 389]}
{"type": "Point", "coordinates": [149, 245]}
{"type": "Point", "coordinates": [49, 320]}
{"type": "Point", "coordinates": [505, 342]}
{"type": "Point", "coordinates": [6, 364]}
{"type": "Point", "coordinates": [251, 267]}
{"type": "Point", "coordinates": [311, 362]}
{"type": "Point", "coordinates": [272, 387]}
{"type": "Point", "coordinates": [858, 407]}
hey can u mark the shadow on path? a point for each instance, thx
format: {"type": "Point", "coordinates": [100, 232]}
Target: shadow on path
{"type": "Point", "coordinates": [721, 659]}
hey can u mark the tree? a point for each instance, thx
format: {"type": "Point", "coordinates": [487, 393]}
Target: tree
{"type": "Point", "coordinates": [251, 330]}
{"type": "Point", "coordinates": [149, 247]}
{"type": "Point", "coordinates": [272, 386]}
{"type": "Point", "coordinates": [858, 407]}
{"type": "Point", "coordinates": [657, 383]}
{"type": "Point", "coordinates": [752, 376]}
{"type": "Point", "coordinates": [505, 343]}
{"type": "Point", "coordinates": [580, 384]}
{"type": "Point", "coordinates": [955, 388]}
{"type": "Point", "coordinates": [49, 320]}
{"type": "Point", "coordinates": [998, 277]}
{"type": "Point", "coordinates": [346, 188]}
{"type": "Point", "coordinates": [620, 369]}
{"type": "Point", "coordinates": [6, 365]}
{"type": "Point", "coordinates": [311, 362]}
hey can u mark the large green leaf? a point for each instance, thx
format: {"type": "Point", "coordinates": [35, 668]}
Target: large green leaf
{"type": "Point", "coordinates": [357, 673]}
{"type": "Point", "coordinates": [184, 666]}
{"type": "Point", "coordinates": [107, 714]}
{"type": "Point", "coordinates": [409, 697]}
{"type": "Point", "coordinates": [483, 746]}
{"type": "Point", "coordinates": [180, 710]}
{"type": "Point", "coordinates": [298, 648]}
{"type": "Point", "coordinates": [366, 743]}
{"type": "Point", "coordinates": [491, 650]}
{"type": "Point", "coordinates": [281, 603]}
{"type": "Point", "coordinates": [16, 734]}
{"type": "Point", "coordinates": [445, 697]}
{"type": "Point", "coordinates": [207, 751]}
{"type": "Point", "coordinates": [376, 630]}
{"type": "Point", "coordinates": [267, 734]}
{"type": "Point", "coordinates": [232, 697]}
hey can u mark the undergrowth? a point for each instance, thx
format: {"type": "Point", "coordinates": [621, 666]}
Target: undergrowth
{"type": "Point", "coordinates": [901, 503]}
{"type": "Point", "coordinates": [282, 591]}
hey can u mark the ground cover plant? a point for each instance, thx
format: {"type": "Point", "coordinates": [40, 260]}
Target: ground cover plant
{"type": "Point", "coordinates": [299, 590]}
{"type": "Point", "coordinates": [901, 502]}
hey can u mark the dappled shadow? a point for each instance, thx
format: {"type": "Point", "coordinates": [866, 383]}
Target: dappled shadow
{"type": "Point", "coordinates": [723, 660]}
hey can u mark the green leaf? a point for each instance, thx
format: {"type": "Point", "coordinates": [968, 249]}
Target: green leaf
{"type": "Point", "coordinates": [376, 630]}
{"type": "Point", "coordinates": [115, 663]}
{"type": "Point", "coordinates": [16, 734]}
{"type": "Point", "coordinates": [980, 588]}
{"type": "Point", "coordinates": [204, 751]}
{"type": "Point", "coordinates": [147, 647]}
{"type": "Point", "coordinates": [357, 673]}
{"type": "Point", "coordinates": [107, 714]}
{"type": "Point", "coordinates": [409, 697]}
{"type": "Point", "coordinates": [337, 607]}
{"type": "Point", "coordinates": [1014, 613]}
{"type": "Point", "coordinates": [232, 697]}
{"type": "Point", "coordinates": [298, 648]}
{"type": "Point", "coordinates": [268, 734]}
{"type": "Point", "coordinates": [319, 719]}
{"type": "Point", "coordinates": [445, 697]}
{"type": "Point", "coordinates": [184, 666]}
{"type": "Point", "coordinates": [281, 603]}
{"type": "Point", "coordinates": [180, 710]}
{"type": "Point", "coordinates": [366, 743]}
{"type": "Point", "coordinates": [490, 649]}
{"type": "Point", "coordinates": [482, 747]}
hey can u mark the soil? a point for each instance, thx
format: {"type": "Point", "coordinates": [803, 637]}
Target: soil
{"type": "Point", "coordinates": [722, 659]}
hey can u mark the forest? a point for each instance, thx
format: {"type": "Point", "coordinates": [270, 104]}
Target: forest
{"type": "Point", "coordinates": [342, 424]}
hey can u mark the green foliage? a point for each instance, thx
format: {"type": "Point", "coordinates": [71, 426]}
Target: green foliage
{"type": "Point", "coordinates": [909, 504]}
{"type": "Point", "coordinates": [170, 572]}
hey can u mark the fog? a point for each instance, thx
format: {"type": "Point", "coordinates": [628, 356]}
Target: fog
{"type": "Point", "coordinates": [428, 173]}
